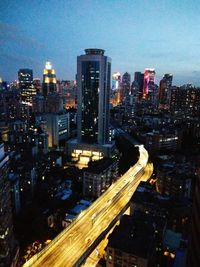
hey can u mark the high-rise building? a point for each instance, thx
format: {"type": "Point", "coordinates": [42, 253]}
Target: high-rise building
{"type": "Point", "coordinates": [185, 101]}
{"type": "Point", "coordinates": [115, 97]}
{"type": "Point", "coordinates": [8, 246]}
{"type": "Point", "coordinates": [57, 126]}
{"type": "Point", "coordinates": [25, 77]}
{"type": "Point", "coordinates": [193, 259]}
{"type": "Point", "coordinates": [94, 81]}
{"type": "Point", "coordinates": [149, 81]}
{"type": "Point", "coordinates": [93, 73]}
{"type": "Point", "coordinates": [126, 84]}
{"type": "Point", "coordinates": [164, 90]}
{"type": "Point", "coordinates": [116, 78]}
{"type": "Point", "coordinates": [54, 103]}
{"type": "Point", "coordinates": [27, 89]}
{"type": "Point", "coordinates": [138, 84]}
{"type": "Point", "coordinates": [49, 80]}
{"type": "Point", "coordinates": [68, 91]}
{"type": "Point", "coordinates": [39, 103]}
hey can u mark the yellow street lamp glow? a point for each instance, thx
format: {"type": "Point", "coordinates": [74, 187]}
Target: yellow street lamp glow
{"type": "Point", "coordinates": [172, 255]}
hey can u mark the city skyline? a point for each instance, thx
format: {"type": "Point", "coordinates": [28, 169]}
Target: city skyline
{"type": "Point", "coordinates": [97, 170]}
{"type": "Point", "coordinates": [136, 35]}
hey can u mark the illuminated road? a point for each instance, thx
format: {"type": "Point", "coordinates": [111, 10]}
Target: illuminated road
{"type": "Point", "coordinates": [68, 247]}
{"type": "Point", "coordinates": [94, 258]}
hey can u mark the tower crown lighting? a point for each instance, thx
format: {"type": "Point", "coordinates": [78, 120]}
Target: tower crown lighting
{"type": "Point", "coordinates": [48, 65]}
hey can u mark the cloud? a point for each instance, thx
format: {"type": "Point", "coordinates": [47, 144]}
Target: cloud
{"type": "Point", "coordinates": [18, 58]}
{"type": "Point", "coordinates": [10, 33]}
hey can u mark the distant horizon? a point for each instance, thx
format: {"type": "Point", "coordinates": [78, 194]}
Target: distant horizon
{"type": "Point", "coordinates": [158, 78]}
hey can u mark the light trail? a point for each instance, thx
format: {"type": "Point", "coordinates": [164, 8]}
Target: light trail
{"type": "Point", "coordinates": [70, 245]}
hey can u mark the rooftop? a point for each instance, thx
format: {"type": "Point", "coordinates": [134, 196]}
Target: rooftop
{"type": "Point", "coordinates": [99, 165]}
{"type": "Point", "coordinates": [133, 236]}
{"type": "Point", "coordinates": [94, 51]}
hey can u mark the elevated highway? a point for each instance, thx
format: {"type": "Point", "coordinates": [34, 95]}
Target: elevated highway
{"type": "Point", "coordinates": [70, 247]}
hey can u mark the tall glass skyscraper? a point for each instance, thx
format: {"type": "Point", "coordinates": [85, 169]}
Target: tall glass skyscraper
{"type": "Point", "coordinates": [94, 81]}
{"type": "Point", "coordinates": [93, 85]}
{"type": "Point", "coordinates": [25, 77]}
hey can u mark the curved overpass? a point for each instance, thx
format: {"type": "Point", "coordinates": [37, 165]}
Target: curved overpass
{"type": "Point", "coordinates": [72, 243]}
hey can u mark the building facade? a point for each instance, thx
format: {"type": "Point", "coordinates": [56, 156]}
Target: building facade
{"type": "Point", "coordinates": [94, 81]}
{"type": "Point", "coordinates": [27, 89]}
{"type": "Point", "coordinates": [131, 243]}
{"type": "Point", "coordinates": [8, 246]}
{"type": "Point", "coordinates": [126, 84]}
{"type": "Point", "coordinates": [149, 82]}
{"type": "Point", "coordinates": [164, 90]}
{"type": "Point", "coordinates": [94, 73]}
{"type": "Point", "coordinates": [99, 176]}
{"type": "Point", "coordinates": [137, 86]}
{"type": "Point", "coordinates": [193, 259]}
{"type": "Point", "coordinates": [56, 125]}
{"type": "Point", "coordinates": [185, 101]}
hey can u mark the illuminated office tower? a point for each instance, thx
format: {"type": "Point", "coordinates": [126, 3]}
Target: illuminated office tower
{"type": "Point", "coordinates": [94, 81]}
{"type": "Point", "coordinates": [115, 92]}
{"type": "Point", "coordinates": [116, 78]}
{"type": "Point", "coordinates": [49, 80]}
{"type": "Point", "coordinates": [164, 90]}
{"type": "Point", "coordinates": [8, 248]}
{"type": "Point", "coordinates": [27, 89]}
{"type": "Point", "coordinates": [94, 71]}
{"type": "Point", "coordinates": [149, 82]}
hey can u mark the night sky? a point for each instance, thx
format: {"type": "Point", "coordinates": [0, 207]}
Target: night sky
{"type": "Point", "coordinates": [163, 34]}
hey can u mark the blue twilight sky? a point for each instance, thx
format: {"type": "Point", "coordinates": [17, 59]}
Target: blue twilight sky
{"type": "Point", "coordinates": [163, 34]}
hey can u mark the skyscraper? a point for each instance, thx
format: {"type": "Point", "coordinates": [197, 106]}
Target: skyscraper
{"type": "Point", "coordinates": [116, 90]}
{"type": "Point", "coordinates": [49, 80]}
{"type": "Point", "coordinates": [94, 81]}
{"type": "Point", "coordinates": [25, 77]}
{"type": "Point", "coordinates": [94, 71]}
{"type": "Point", "coordinates": [138, 84]}
{"type": "Point", "coordinates": [149, 81]}
{"type": "Point", "coordinates": [126, 84]}
{"type": "Point", "coordinates": [164, 90]}
{"type": "Point", "coordinates": [7, 243]}
{"type": "Point", "coordinates": [116, 78]}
